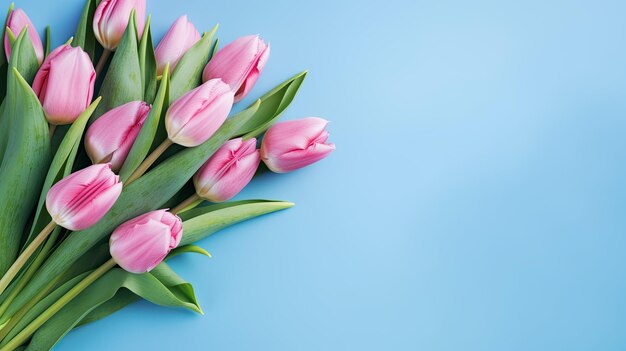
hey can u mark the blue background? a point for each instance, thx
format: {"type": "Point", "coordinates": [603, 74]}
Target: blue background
{"type": "Point", "coordinates": [475, 200]}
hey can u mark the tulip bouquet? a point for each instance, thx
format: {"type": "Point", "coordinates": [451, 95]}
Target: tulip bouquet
{"type": "Point", "coordinates": [99, 193]}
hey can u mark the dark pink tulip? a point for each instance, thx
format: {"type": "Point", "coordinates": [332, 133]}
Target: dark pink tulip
{"type": "Point", "coordinates": [64, 84]}
{"type": "Point", "coordinates": [110, 137]}
{"type": "Point", "coordinates": [111, 19]}
{"type": "Point", "coordinates": [16, 22]}
{"type": "Point", "coordinates": [239, 64]}
{"type": "Point", "coordinates": [290, 145]}
{"type": "Point", "coordinates": [194, 117]}
{"type": "Point", "coordinates": [79, 200]}
{"type": "Point", "coordinates": [228, 171]}
{"type": "Point", "coordinates": [142, 243]}
{"type": "Point", "coordinates": [181, 36]}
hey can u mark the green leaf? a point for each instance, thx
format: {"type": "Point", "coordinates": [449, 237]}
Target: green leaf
{"type": "Point", "coordinates": [147, 63]}
{"type": "Point", "coordinates": [122, 298]}
{"type": "Point", "coordinates": [214, 49]}
{"type": "Point", "coordinates": [188, 249]}
{"type": "Point", "coordinates": [142, 145]}
{"type": "Point", "coordinates": [188, 72]}
{"type": "Point", "coordinates": [275, 105]}
{"type": "Point", "coordinates": [61, 166]}
{"type": "Point", "coordinates": [47, 41]}
{"type": "Point", "coordinates": [84, 36]}
{"type": "Point", "coordinates": [162, 286]}
{"type": "Point", "coordinates": [204, 221]}
{"type": "Point", "coordinates": [147, 193]}
{"type": "Point", "coordinates": [122, 82]}
{"type": "Point", "coordinates": [23, 57]}
{"type": "Point", "coordinates": [24, 165]}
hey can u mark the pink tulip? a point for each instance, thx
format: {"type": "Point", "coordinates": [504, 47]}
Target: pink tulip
{"type": "Point", "coordinates": [239, 64]}
{"type": "Point", "coordinates": [228, 171]}
{"type": "Point", "coordinates": [194, 117]}
{"type": "Point", "coordinates": [65, 84]}
{"type": "Point", "coordinates": [181, 36]}
{"type": "Point", "coordinates": [142, 243]}
{"type": "Point", "coordinates": [290, 145]}
{"type": "Point", "coordinates": [16, 22]}
{"type": "Point", "coordinates": [79, 200]}
{"type": "Point", "coordinates": [110, 137]}
{"type": "Point", "coordinates": [111, 19]}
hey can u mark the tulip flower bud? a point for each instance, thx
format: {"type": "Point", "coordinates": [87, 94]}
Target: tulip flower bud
{"type": "Point", "coordinates": [181, 36]}
{"type": "Point", "coordinates": [111, 19]}
{"type": "Point", "coordinates": [79, 200]}
{"type": "Point", "coordinates": [16, 21]}
{"type": "Point", "coordinates": [142, 243]}
{"type": "Point", "coordinates": [110, 137]}
{"type": "Point", "coordinates": [64, 84]}
{"type": "Point", "coordinates": [290, 145]}
{"type": "Point", "coordinates": [239, 64]}
{"type": "Point", "coordinates": [194, 117]}
{"type": "Point", "coordinates": [228, 171]}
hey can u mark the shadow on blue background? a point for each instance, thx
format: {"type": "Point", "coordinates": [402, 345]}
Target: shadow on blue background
{"type": "Point", "coordinates": [475, 200]}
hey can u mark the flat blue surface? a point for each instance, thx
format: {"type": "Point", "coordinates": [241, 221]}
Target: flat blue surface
{"type": "Point", "coordinates": [475, 201]}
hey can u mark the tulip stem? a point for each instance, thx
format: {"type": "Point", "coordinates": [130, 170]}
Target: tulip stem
{"type": "Point", "coordinates": [143, 167]}
{"type": "Point", "coordinates": [24, 256]}
{"type": "Point", "coordinates": [102, 61]}
{"type": "Point", "coordinates": [30, 271]}
{"type": "Point", "coordinates": [191, 201]}
{"type": "Point", "coordinates": [17, 316]}
{"type": "Point", "coordinates": [56, 307]}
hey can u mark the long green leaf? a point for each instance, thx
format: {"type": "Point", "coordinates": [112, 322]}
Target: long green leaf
{"type": "Point", "coordinates": [84, 36]}
{"type": "Point", "coordinates": [162, 286]}
{"type": "Point", "coordinates": [61, 166]}
{"type": "Point", "coordinates": [23, 58]}
{"type": "Point", "coordinates": [141, 146]}
{"type": "Point", "coordinates": [23, 167]}
{"type": "Point", "coordinates": [276, 104]}
{"type": "Point", "coordinates": [3, 61]}
{"type": "Point", "coordinates": [147, 63]}
{"type": "Point", "coordinates": [122, 82]}
{"type": "Point", "coordinates": [24, 150]}
{"type": "Point", "coordinates": [205, 221]}
{"type": "Point", "coordinates": [188, 72]}
{"type": "Point", "coordinates": [147, 193]}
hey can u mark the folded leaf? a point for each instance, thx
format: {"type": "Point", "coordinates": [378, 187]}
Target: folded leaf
{"type": "Point", "coordinates": [147, 63]}
{"type": "Point", "coordinates": [142, 145]}
{"type": "Point", "coordinates": [3, 61]}
{"type": "Point", "coordinates": [162, 286]}
{"type": "Point", "coordinates": [84, 36]}
{"type": "Point", "coordinates": [122, 82]}
{"type": "Point", "coordinates": [275, 105]}
{"type": "Point", "coordinates": [188, 72]}
{"type": "Point", "coordinates": [23, 167]}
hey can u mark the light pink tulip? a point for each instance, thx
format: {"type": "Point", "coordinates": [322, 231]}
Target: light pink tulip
{"type": "Point", "coordinates": [181, 36]}
{"type": "Point", "coordinates": [111, 19]}
{"type": "Point", "coordinates": [16, 22]}
{"type": "Point", "coordinates": [239, 64]}
{"type": "Point", "coordinates": [228, 171]}
{"type": "Point", "coordinates": [79, 200]}
{"type": "Point", "coordinates": [65, 83]}
{"type": "Point", "coordinates": [290, 145]}
{"type": "Point", "coordinates": [142, 243]}
{"type": "Point", "coordinates": [110, 137]}
{"type": "Point", "coordinates": [194, 117]}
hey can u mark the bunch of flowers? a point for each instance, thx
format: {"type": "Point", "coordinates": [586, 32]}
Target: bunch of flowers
{"type": "Point", "coordinates": [98, 193]}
